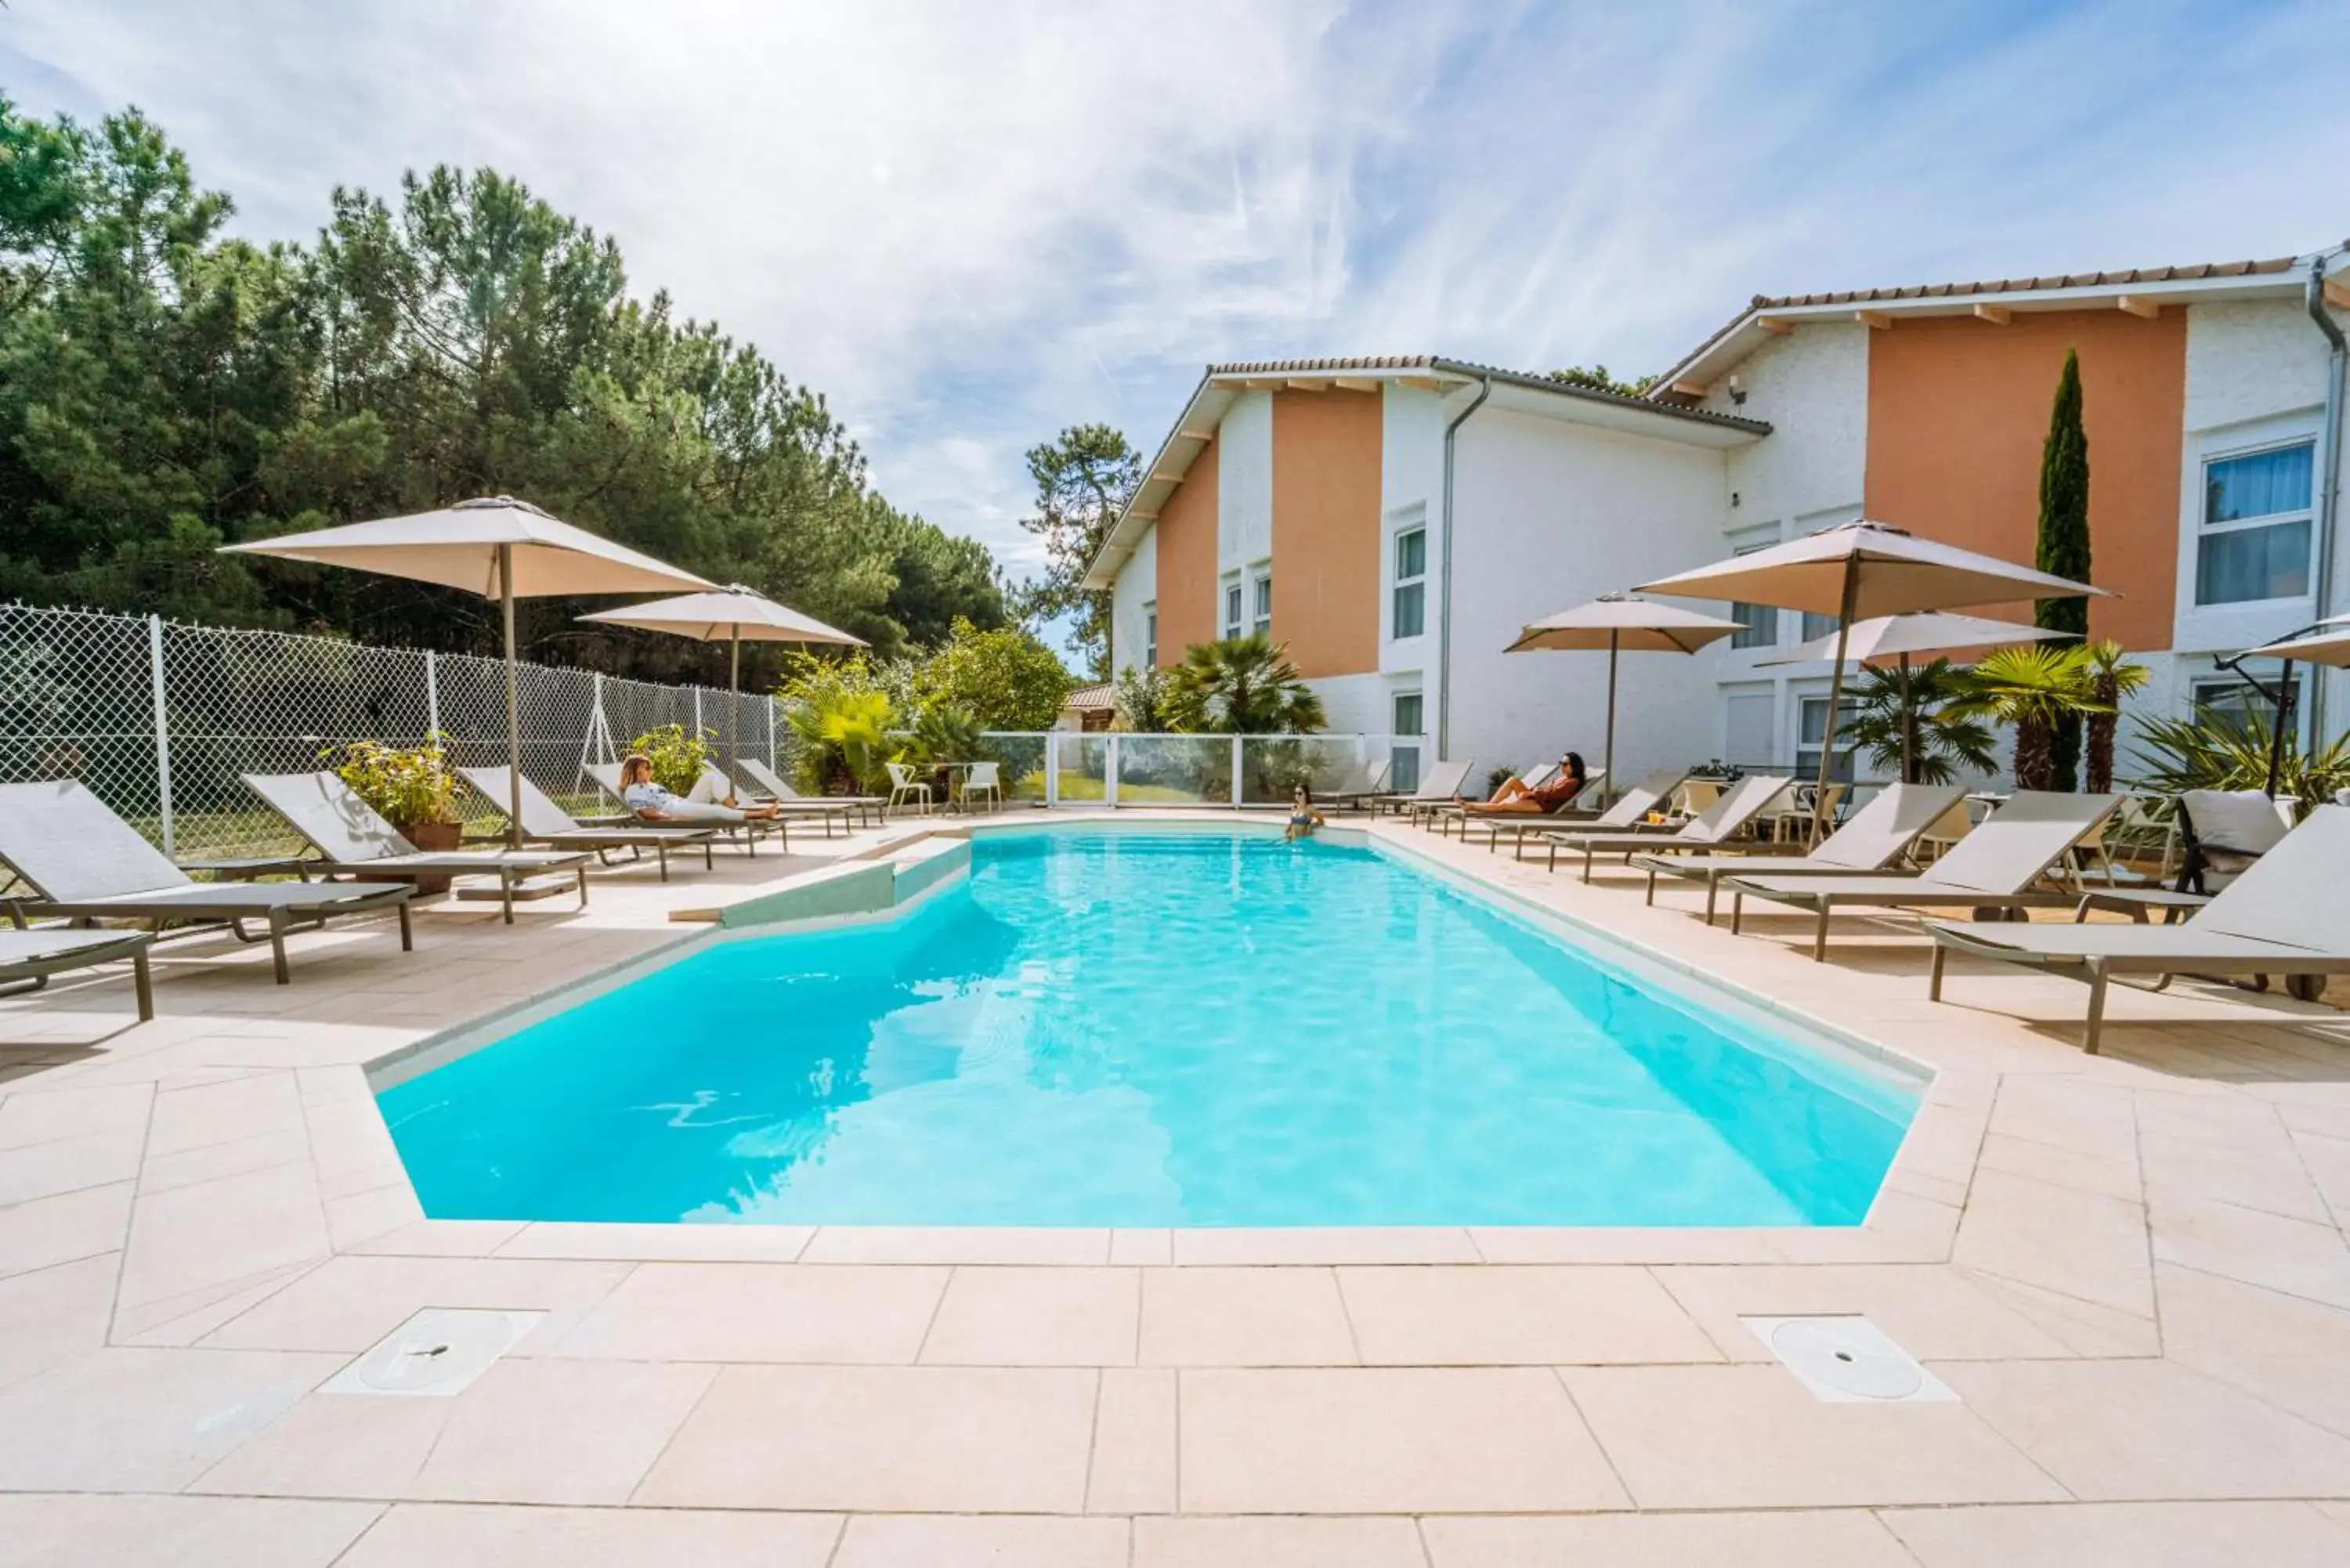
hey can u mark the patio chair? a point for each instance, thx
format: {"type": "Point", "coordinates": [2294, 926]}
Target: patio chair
{"type": "Point", "coordinates": [987, 779]}
{"type": "Point", "coordinates": [1994, 867]}
{"type": "Point", "coordinates": [2224, 833]}
{"type": "Point", "coordinates": [1628, 814]}
{"type": "Point", "coordinates": [352, 840]}
{"type": "Point", "coordinates": [1357, 793]}
{"type": "Point", "coordinates": [1717, 826]}
{"type": "Point", "coordinates": [904, 786]}
{"type": "Point", "coordinates": [83, 862]}
{"type": "Point", "coordinates": [1878, 835]}
{"type": "Point", "coordinates": [544, 822]}
{"type": "Point", "coordinates": [1437, 786]}
{"type": "Point", "coordinates": [36, 955]}
{"type": "Point", "coordinates": [2284, 915]}
{"type": "Point", "coordinates": [751, 829]}
{"type": "Point", "coordinates": [772, 785]}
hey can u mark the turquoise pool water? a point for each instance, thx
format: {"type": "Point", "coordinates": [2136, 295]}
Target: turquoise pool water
{"type": "Point", "coordinates": [1108, 1028]}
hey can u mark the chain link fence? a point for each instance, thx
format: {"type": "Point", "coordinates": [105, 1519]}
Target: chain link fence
{"type": "Point", "coordinates": [159, 718]}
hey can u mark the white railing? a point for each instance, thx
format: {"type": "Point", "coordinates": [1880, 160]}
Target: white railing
{"type": "Point", "coordinates": [1127, 768]}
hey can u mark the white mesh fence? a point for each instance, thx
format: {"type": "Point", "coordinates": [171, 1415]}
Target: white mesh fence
{"type": "Point", "coordinates": [160, 719]}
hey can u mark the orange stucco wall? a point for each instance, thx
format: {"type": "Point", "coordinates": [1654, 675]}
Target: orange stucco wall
{"type": "Point", "coordinates": [1326, 530]}
{"type": "Point", "coordinates": [1186, 561]}
{"type": "Point", "coordinates": [1957, 410]}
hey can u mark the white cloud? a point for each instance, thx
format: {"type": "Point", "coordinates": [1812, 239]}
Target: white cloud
{"type": "Point", "coordinates": [970, 226]}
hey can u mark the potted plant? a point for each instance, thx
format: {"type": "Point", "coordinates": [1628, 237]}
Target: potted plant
{"type": "Point", "coordinates": [677, 757]}
{"type": "Point", "coordinates": [409, 787]}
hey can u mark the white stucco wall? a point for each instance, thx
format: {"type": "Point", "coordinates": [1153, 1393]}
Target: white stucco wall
{"type": "Point", "coordinates": [1243, 487]}
{"type": "Point", "coordinates": [1136, 586]}
{"type": "Point", "coordinates": [1549, 514]}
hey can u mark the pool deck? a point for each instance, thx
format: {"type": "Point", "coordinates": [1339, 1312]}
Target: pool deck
{"type": "Point", "coordinates": [2130, 1268]}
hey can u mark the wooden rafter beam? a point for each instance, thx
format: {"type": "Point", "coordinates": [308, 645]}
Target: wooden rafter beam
{"type": "Point", "coordinates": [1997, 315]}
{"type": "Point", "coordinates": [1878, 319]}
{"type": "Point", "coordinates": [1195, 435]}
{"type": "Point", "coordinates": [2337, 292]}
{"type": "Point", "coordinates": [1692, 388]}
{"type": "Point", "coordinates": [1776, 326]}
{"type": "Point", "coordinates": [2138, 305]}
{"type": "Point", "coordinates": [1308, 384]}
{"type": "Point", "coordinates": [1355, 384]}
{"type": "Point", "coordinates": [1423, 383]}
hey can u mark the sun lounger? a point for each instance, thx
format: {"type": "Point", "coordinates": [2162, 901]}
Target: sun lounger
{"type": "Point", "coordinates": [751, 829]}
{"type": "Point", "coordinates": [716, 786]}
{"type": "Point", "coordinates": [1995, 866]}
{"type": "Point", "coordinates": [1628, 814]}
{"type": "Point", "coordinates": [36, 955]}
{"type": "Point", "coordinates": [85, 863]}
{"type": "Point", "coordinates": [2285, 914]}
{"type": "Point", "coordinates": [1369, 784]}
{"type": "Point", "coordinates": [1454, 811]}
{"type": "Point", "coordinates": [352, 840]}
{"type": "Point", "coordinates": [1878, 835]}
{"type": "Point", "coordinates": [1437, 786]}
{"type": "Point", "coordinates": [765, 781]}
{"type": "Point", "coordinates": [544, 822]}
{"type": "Point", "coordinates": [1716, 826]}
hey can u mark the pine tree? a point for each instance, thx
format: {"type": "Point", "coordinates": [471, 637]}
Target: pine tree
{"type": "Point", "coordinates": [2064, 542]}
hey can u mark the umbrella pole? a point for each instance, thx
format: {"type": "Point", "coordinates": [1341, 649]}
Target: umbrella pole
{"type": "Point", "coordinates": [513, 707]}
{"type": "Point", "coordinates": [1836, 697]}
{"type": "Point", "coordinates": [1908, 728]}
{"type": "Point", "coordinates": [734, 708]}
{"type": "Point", "coordinates": [1607, 758]}
{"type": "Point", "coordinates": [2277, 731]}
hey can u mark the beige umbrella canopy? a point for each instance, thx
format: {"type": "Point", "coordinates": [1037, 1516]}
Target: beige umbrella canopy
{"type": "Point", "coordinates": [1891, 636]}
{"type": "Point", "coordinates": [496, 546]}
{"type": "Point", "coordinates": [726, 615]}
{"type": "Point", "coordinates": [2327, 642]}
{"type": "Point", "coordinates": [1857, 570]}
{"type": "Point", "coordinates": [1620, 623]}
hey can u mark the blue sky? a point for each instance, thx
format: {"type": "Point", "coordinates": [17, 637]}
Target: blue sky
{"type": "Point", "coordinates": [970, 226]}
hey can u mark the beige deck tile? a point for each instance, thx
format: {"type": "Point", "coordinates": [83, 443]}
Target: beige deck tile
{"type": "Point", "coordinates": [2195, 1170]}
{"type": "Point", "coordinates": [1627, 1244]}
{"type": "Point", "coordinates": [1752, 1436]}
{"type": "Point", "coordinates": [1383, 1440]}
{"type": "Point", "coordinates": [46, 1232]}
{"type": "Point", "coordinates": [443, 1238]}
{"type": "Point", "coordinates": [1310, 1246]}
{"type": "Point", "coordinates": [39, 1532]}
{"type": "Point", "coordinates": [2327, 1161]}
{"type": "Point", "coordinates": [759, 1312]}
{"type": "Point", "coordinates": [653, 1244]}
{"type": "Point", "coordinates": [2139, 1534]}
{"type": "Point", "coordinates": [53, 1315]}
{"type": "Point", "coordinates": [1487, 1315]}
{"type": "Point", "coordinates": [2119, 1430]}
{"type": "Point", "coordinates": [2293, 1353]}
{"type": "Point", "coordinates": [68, 1165]}
{"type": "Point", "coordinates": [2240, 1120]}
{"type": "Point", "coordinates": [334, 1445]}
{"type": "Point", "coordinates": [348, 1303]}
{"type": "Point", "coordinates": [2257, 1248]}
{"type": "Point", "coordinates": [216, 1231]}
{"type": "Point", "coordinates": [1843, 1537]}
{"type": "Point", "coordinates": [955, 1244]}
{"type": "Point", "coordinates": [1932, 1311]}
{"type": "Point", "coordinates": [204, 1114]}
{"type": "Point", "coordinates": [545, 1431]}
{"type": "Point", "coordinates": [1142, 1248]}
{"type": "Point", "coordinates": [38, 1115]}
{"type": "Point", "coordinates": [883, 1440]}
{"type": "Point", "coordinates": [2108, 1175]}
{"type": "Point", "coordinates": [185, 1320]}
{"type": "Point", "coordinates": [1245, 1318]}
{"type": "Point", "coordinates": [961, 1541]}
{"type": "Point", "coordinates": [2075, 1242]}
{"type": "Point", "coordinates": [2068, 1113]}
{"type": "Point", "coordinates": [2086, 1328]}
{"type": "Point", "coordinates": [143, 1420]}
{"type": "Point", "coordinates": [210, 1162]}
{"type": "Point", "coordinates": [1036, 1317]}
{"type": "Point", "coordinates": [473, 1535]}
{"type": "Point", "coordinates": [1133, 1468]}
{"type": "Point", "coordinates": [1277, 1543]}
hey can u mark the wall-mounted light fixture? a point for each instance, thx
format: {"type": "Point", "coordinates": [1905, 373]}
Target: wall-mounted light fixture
{"type": "Point", "coordinates": [1737, 392]}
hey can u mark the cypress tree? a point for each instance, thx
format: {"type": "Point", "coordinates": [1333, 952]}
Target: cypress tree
{"type": "Point", "coordinates": [2063, 541]}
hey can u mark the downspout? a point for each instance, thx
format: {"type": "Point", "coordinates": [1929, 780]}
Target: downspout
{"type": "Point", "coordinates": [1444, 582]}
{"type": "Point", "coordinates": [2329, 488]}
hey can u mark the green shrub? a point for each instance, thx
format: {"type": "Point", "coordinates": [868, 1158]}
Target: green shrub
{"type": "Point", "coordinates": [677, 757]}
{"type": "Point", "coordinates": [407, 787]}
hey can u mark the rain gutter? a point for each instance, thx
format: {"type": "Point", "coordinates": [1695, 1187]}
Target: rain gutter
{"type": "Point", "coordinates": [1444, 603]}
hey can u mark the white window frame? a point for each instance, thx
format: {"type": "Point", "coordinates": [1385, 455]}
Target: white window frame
{"type": "Point", "coordinates": [1261, 598]}
{"type": "Point", "coordinates": [1398, 582]}
{"type": "Point", "coordinates": [2204, 528]}
{"type": "Point", "coordinates": [1230, 608]}
{"type": "Point", "coordinates": [1150, 634]}
{"type": "Point", "coordinates": [1403, 746]}
{"type": "Point", "coordinates": [1746, 542]}
{"type": "Point", "coordinates": [1807, 756]}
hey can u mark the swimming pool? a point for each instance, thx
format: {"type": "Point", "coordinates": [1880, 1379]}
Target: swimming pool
{"type": "Point", "coordinates": [1105, 1028]}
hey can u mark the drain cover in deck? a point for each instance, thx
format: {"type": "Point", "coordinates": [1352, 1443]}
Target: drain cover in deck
{"type": "Point", "coordinates": [434, 1355]}
{"type": "Point", "coordinates": [1848, 1360]}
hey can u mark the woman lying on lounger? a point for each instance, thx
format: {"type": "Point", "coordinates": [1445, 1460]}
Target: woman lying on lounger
{"type": "Point", "coordinates": [653, 802]}
{"type": "Point", "coordinates": [1514, 798]}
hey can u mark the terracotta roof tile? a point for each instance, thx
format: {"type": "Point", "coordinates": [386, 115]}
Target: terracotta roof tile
{"type": "Point", "coordinates": [2022, 285]}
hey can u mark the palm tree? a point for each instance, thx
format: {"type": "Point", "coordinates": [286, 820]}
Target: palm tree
{"type": "Point", "coordinates": [1242, 686]}
{"type": "Point", "coordinates": [2112, 677]}
{"type": "Point", "coordinates": [1914, 714]}
{"type": "Point", "coordinates": [2032, 688]}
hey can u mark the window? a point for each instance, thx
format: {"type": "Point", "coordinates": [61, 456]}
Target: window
{"type": "Point", "coordinates": [2237, 699]}
{"type": "Point", "coordinates": [1263, 623]}
{"type": "Point", "coordinates": [1233, 605]}
{"type": "Point", "coordinates": [1817, 625]}
{"type": "Point", "coordinates": [1748, 723]}
{"type": "Point", "coordinates": [1812, 727]}
{"type": "Point", "coordinates": [1403, 757]}
{"type": "Point", "coordinates": [1410, 610]}
{"type": "Point", "coordinates": [1761, 621]}
{"type": "Point", "coordinates": [1150, 634]}
{"type": "Point", "coordinates": [2256, 527]}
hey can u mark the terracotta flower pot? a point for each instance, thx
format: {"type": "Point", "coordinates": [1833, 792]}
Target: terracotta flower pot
{"type": "Point", "coordinates": [434, 837]}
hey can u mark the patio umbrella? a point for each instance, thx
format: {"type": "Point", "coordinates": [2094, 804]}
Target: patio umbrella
{"type": "Point", "coordinates": [729, 614]}
{"type": "Point", "coordinates": [2327, 642]}
{"type": "Point", "coordinates": [1889, 636]}
{"type": "Point", "coordinates": [496, 546]}
{"type": "Point", "coordinates": [1863, 570]}
{"type": "Point", "coordinates": [1621, 624]}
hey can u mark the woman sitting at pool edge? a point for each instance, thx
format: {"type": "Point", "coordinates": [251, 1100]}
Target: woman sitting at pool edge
{"type": "Point", "coordinates": [1514, 798]}
{"type": "Point", "coordinates": [654, 803]}
{"type": "Point", "coordinates": [1303, 818]}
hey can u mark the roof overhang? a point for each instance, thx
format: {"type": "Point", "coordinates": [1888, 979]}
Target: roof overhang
{"type": "Point", "coordinates": [2145, 293]}
{"type": "Point", "coordinates": [1223, 384]}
